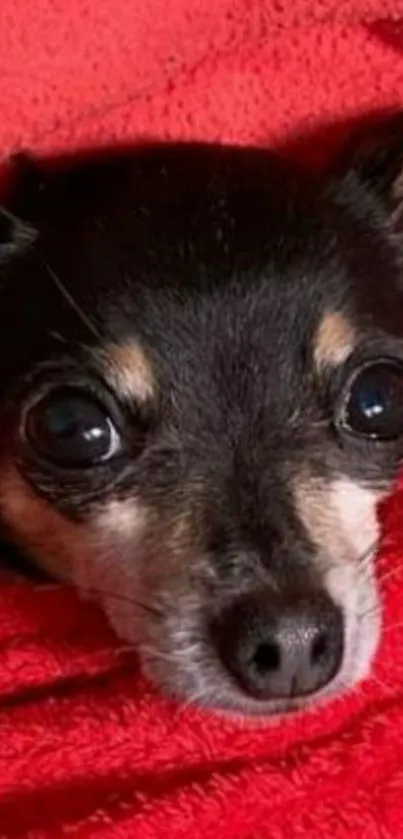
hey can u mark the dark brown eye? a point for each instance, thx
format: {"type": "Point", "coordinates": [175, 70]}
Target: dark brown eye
{"type": "Point", "coordinates": [373, 404]}
{"type": "Point", "coordinates": [70, 428]}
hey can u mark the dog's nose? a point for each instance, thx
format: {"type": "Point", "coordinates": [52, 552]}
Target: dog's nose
{"type": "Point", "coordinates": [279, 650]}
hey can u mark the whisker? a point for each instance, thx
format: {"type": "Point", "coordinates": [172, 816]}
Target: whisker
{"type": "Point", "coordinates": [99, 592]}
{"type": "Point", "coordinates": [344, 687]}
{"type": "Point", "coordinates": [391, 574]}
{"type": "Point", "coordinates": [122, 598]}
{"type": "Point", "coordinates": [73, 303]}
{"type": "Point", "coordinates": [366, 571]}
{"type": "Point", "coordinates": [365, 560]}
{"type": "Point", "coordinates": [57, 336]}
{"type": "Point", "coordinates": [370, 613]}
{"type": "Point", "coordinates": [151, 652]}
{"type": "Point", "coordinates": [194, 702]}
{"type": "Point", "coordinates": [367, 556]}
{"type": "Point", "coordinates": [393, 626]}
{"type": "Point", "coordinates": [384, 686]}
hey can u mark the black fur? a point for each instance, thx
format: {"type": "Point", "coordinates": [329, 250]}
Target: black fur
{"type": "Point", "coordinates": [221, 262]}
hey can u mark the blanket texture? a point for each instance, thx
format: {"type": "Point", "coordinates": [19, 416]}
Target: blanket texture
{"type": "Point", "coordinates": [87, 748]}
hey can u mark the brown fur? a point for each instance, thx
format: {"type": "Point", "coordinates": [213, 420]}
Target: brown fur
{"type": "Point", "coordinates": [334, 340]}
{"type": "Point", "coordinates": [130, 371]}
{"type": "Point", "coordinates": [36, 526]}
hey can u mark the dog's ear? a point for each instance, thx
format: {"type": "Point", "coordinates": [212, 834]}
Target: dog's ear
{"type": "Point", "coordinates": [15, 235]}
{"type": "Point", "coordinates": [372, 167]}
{"type": "Point", "coordinates": [20, 215]}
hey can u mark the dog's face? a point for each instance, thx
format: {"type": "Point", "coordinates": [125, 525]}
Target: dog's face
{"type": "Point", "coordinates": [202, 405]}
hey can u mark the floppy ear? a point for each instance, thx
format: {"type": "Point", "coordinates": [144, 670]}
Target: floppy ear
{"type": "Point", "coordinates": [372, 165]}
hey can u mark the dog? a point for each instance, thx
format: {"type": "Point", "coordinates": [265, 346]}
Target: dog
{"type": "Point", "coordinates": [202, 405]}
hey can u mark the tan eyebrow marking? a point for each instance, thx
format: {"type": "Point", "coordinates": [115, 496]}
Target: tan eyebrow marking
{"type": "Point", "coordinates": [334, 340]}
{"type": "Point", "coordinates": [129, 371]}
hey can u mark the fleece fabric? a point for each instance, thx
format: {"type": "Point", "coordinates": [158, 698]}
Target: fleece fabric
{"type": "Point", "coordinates": [87, 748]}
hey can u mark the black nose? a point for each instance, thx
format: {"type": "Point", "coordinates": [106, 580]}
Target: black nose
{"type": "Point", "coordinates": [282, 648]}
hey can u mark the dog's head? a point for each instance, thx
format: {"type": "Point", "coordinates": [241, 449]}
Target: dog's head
{"type": "Point", "coordinates": [202, 405]}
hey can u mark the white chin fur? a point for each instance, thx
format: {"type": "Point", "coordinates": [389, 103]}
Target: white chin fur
{"type": "Point", "coordinates": [352, 583]}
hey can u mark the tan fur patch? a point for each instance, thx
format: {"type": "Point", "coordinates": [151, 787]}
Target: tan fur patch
{"type": "Point", "coordinates": [340, 517]}
{"type": "Point", "coordinates": [122, 519]}
{"type": "Point", "coordinates": [116, 533]}
{"type": "Point", "coordinates": [334, 340]}
{"type": "Point", "coordinates": [131, 524]}
{"type": "Point", "coordinates": [47, 536]}
{"type": "Point", "coordinates": [129, 371]}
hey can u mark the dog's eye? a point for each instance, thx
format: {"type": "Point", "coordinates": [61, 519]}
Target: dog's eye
{"type": "Point", "coordinates": [70, 428]}
{"type": "Point", "coordinates": [373, 406]}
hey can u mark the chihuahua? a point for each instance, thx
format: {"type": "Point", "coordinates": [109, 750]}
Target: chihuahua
{"type": "Point", "coordinates": [201, 403]}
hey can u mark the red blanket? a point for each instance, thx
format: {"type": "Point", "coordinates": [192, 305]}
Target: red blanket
{"type": "Point", "coordinates": [86, 748]}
